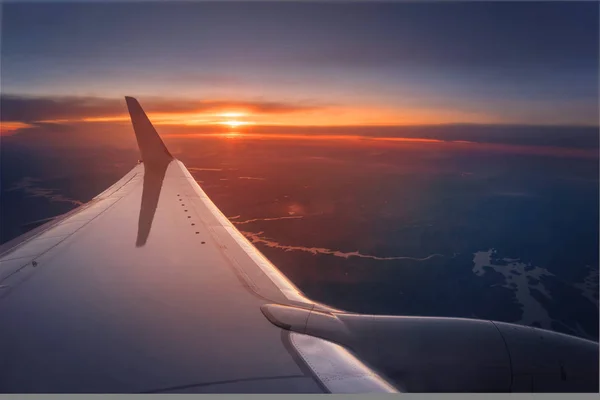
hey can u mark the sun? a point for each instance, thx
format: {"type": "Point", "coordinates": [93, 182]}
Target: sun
{"type": "Point", "coordinates": [231, 114]}
{"type": "Point", "coordinates": [234, 124]}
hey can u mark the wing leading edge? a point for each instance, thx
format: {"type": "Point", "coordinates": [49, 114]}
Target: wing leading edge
{"type": "Point", "coordinates": [182, 302]}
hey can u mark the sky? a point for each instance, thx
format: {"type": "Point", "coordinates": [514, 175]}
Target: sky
{"type": "Point", "coordinates": [300, 64]}
{"type": "Point", "coordinates": [467, 126]}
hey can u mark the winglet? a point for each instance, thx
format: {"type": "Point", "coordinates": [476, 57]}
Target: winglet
{"type": "Point", "coordinates": [152, 148]}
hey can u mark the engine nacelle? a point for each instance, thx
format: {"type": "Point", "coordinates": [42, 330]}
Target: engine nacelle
{"type": "Point", "coordinates": [430, 354]}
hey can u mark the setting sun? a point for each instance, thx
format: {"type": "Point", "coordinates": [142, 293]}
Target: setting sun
{"type": "Point", "coordinates": [234, 124]}
{"type": "Point", "coordinates": [231, 114]}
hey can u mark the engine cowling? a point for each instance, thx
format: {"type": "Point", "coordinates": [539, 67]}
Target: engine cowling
{"type": "Point", "coordinates": [431, 354]}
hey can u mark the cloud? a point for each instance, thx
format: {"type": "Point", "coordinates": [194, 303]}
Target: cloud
{"type": "Point", "coordinates": [71, 135]}
{"type": "Point", "coordinates": [30, 109]}
{"type": "Point", "coordinates": [8, 127]}
{"type": "Point", "coordinates": [69, 117]}
{"type": "Point", "coordinates": [34, 109]}
{"type": "Point", "coordinates": [207, 79]}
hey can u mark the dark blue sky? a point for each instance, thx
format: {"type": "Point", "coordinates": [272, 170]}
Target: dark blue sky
{"type": "Point", "coordinates": [399, 62]}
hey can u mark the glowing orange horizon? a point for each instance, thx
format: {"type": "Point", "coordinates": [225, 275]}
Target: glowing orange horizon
{"type": "Point", "coordinates": [290, 136]}
{"type": "Point", "coordinates": [332, 116]}
{"type": "Point", "coordinates": [10, 128]}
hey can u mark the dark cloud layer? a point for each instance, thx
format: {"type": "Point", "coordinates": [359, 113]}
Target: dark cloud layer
{"type": "Point", "coordinates": [34, 109]}
{"type": "Point", "coordinates": [30, 109]}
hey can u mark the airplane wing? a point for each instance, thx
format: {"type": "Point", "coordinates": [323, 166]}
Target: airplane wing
{"type": "Point", "coordinates": [149, 288]}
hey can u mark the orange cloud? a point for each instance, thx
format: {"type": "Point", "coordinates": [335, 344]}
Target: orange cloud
{"type": "Point", "coordinates": [327, 116]}
{"type": "Point", "coordinates": [192, 112]}
{"type": "Point", "coordinates": [94, 109]}
{"type": "Point", "coordinates": [300, 121]}
{"type": "Point", "coordinates": [11, 127]}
